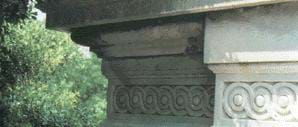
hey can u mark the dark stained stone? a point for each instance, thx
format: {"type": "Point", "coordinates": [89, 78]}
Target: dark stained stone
{"type": "Point", "coordinates": [66, 14]}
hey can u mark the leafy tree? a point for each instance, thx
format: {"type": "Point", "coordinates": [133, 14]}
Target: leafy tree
{"type": "Point", "coordinates": [55, 85]}
{"type": "Point", "coordinates": [11, 11]}
{"type": "Point", "coordinates": [44, 80]}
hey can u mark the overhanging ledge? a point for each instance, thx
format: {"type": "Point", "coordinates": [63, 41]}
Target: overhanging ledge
{"type": "Point", "coordinates": [67, 14]}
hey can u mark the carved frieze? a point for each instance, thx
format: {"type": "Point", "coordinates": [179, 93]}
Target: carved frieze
{"type": "Point", "coordinates": [267, 101]}
{"type": "Point", "coordinates": [193, 101]}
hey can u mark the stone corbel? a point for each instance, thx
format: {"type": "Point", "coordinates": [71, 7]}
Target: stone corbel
{"type": "Point", "coordinates": [155, 71]}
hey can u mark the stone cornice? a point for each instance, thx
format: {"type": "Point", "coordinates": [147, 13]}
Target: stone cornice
{"type": "Point", "coordinates": [67, 14]}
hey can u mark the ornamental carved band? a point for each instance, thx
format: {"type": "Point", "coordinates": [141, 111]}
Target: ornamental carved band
{"type": "Point", "coordinates": [193, 101]}
{"type": "Point", "coordinates": [262, 101]}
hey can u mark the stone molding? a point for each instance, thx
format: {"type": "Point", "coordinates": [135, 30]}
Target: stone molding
{"type": "Point", "coordinates": [255, 68]}
{"type": "Point", "coordinates": [176, 70]}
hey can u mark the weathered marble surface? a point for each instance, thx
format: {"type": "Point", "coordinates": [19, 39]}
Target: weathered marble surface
{"type": "Point", "coordinates": [65, 14]}
{"type": "Point", "coordinates": [256, 100]}
{"type": "Point", "coordinates": [253, 53]}
{"type": "Point", "coordinates": [266, 34]}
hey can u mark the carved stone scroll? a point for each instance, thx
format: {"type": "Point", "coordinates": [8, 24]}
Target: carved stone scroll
{"type": "Point", "coordinates": [267, 101]}
{"type": "Point", "coordinates": [192, 101]}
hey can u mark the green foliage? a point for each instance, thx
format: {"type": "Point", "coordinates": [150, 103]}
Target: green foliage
{"type": "Point", "coordinates": [53, 85]}
{"type": "Point", "coordinates": [12, 11]}
{"type": "Point", "coordinates": [30, 49]}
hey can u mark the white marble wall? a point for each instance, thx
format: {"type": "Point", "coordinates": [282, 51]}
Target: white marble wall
{"type": "Point", "coordinates": [254, 54]}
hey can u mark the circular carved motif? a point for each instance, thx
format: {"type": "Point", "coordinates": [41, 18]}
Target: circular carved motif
{"type": "Point", "coordinates": [196, 100]}
{"type": "Point", "coordinates": [149, 99]}
{"type": "Point", "coordinates": [260, 101]}
{"type": "Point", "coordinates": [180, 100]}
{"type": "Point", "coordinates": [238, 100]}
{"type": "Point", "coordinates": [283, 101]}
{"type": "Point", "coordinates": [164, 100]}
